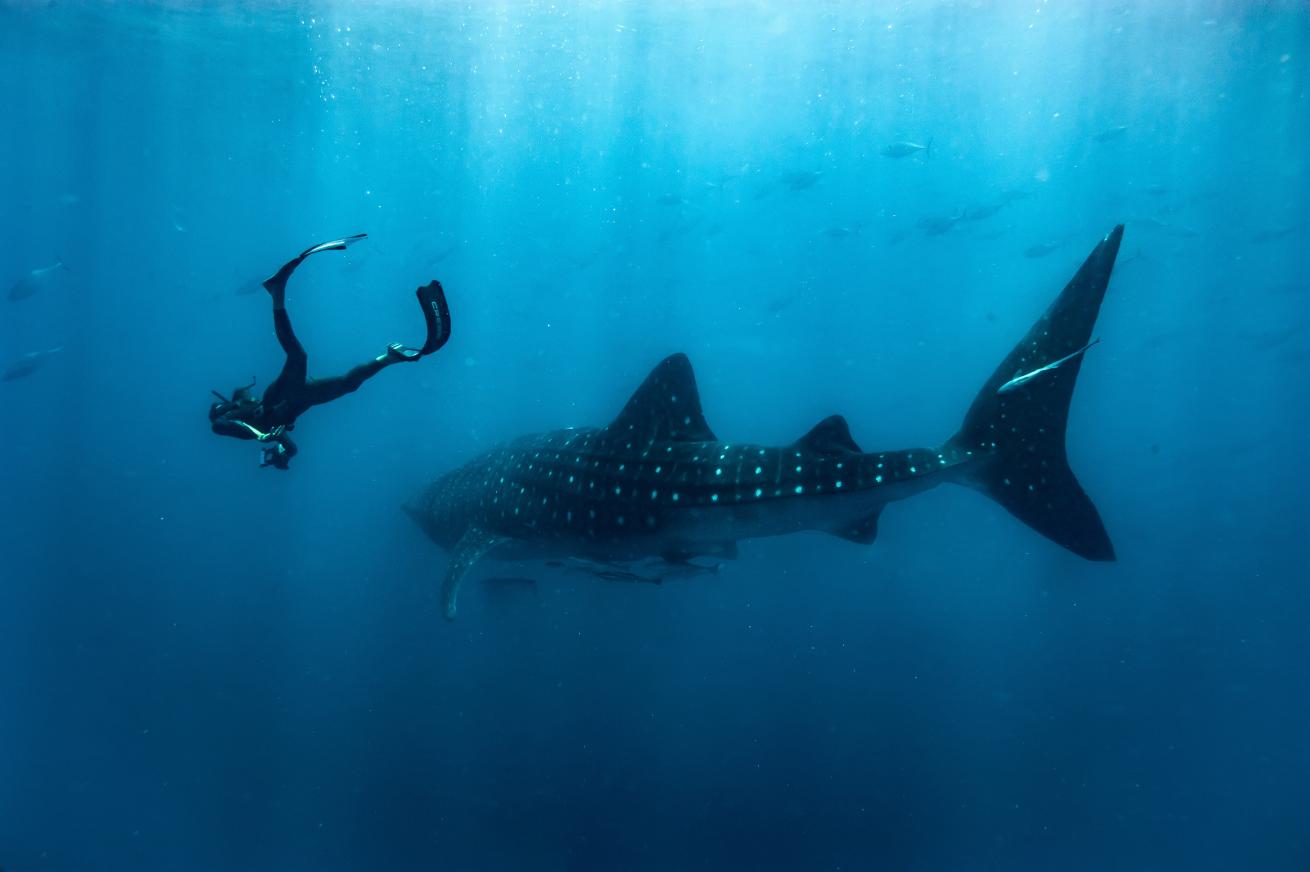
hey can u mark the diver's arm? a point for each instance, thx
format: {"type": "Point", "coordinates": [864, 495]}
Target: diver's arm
{"type": "Point", "coordinates": [242, 430]}
{"type": "Point", "coordinates": [255, 431]}
{"type": "Point", "coordinates": [234, 428]}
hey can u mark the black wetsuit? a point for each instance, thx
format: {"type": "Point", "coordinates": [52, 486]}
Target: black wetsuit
{"type": "Point", "coordinates": [289, 396]}
{"type": "Point", "coordinates": [293, 391]}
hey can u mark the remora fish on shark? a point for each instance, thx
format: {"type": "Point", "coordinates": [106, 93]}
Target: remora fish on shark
{"type": "Point", "coordinates": [1020, 380]}
{"type": "Point", "coordinates": [657, 482]}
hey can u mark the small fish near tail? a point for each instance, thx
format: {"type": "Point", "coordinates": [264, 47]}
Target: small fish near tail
{"type": "Point", "coordinates": [1020, 434]}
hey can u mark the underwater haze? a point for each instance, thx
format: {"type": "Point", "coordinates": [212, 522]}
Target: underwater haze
{"type": "Point", "coordinates": [852, 208]}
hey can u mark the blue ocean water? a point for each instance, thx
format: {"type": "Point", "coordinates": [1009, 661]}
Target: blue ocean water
{"type": "Point", "coordinates": [208, 665]}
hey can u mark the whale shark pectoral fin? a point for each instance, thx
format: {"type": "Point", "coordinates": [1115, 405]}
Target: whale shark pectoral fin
{"type": "Point", "coordinates": [475, 543]}
{"type": "Point", "coordinates": [863, 531]}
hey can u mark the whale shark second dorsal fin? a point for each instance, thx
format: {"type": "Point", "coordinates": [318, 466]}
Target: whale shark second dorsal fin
{"type": "Point", "coordinates": [666, 408]}
{"type": "Point", "coordinates": [832, 435]}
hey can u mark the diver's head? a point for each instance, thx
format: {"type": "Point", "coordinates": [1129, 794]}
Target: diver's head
{"type": "Point", "coordinates": [239, 407]}
{"type": "Point", "coordinates": [240, 401]}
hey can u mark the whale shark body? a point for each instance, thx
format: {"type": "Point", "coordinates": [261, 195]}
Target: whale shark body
{"type": "Point", "coordinates": [656, 482]}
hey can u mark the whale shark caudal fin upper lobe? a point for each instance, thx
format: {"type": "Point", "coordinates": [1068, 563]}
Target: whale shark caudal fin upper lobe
{"type": "Point", "coordinates": [1023, 430]}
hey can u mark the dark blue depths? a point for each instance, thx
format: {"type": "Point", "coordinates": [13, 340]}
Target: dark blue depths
{"type": "Point", "coordinates": [206, 665]}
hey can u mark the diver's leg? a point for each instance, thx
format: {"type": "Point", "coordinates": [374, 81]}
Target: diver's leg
{"type": "Point", "coordinates": [324, 390]}
{"type": "Point", "coordinates": [286, 337]}
{"type": "Point", "coordinates": [296, 369]}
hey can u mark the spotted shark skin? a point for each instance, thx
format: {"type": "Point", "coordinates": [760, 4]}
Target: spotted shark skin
{"type": "Point", "coordinates": [657, 482]}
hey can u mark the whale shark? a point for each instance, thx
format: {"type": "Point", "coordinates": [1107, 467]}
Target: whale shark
{"type": "Point", "coordinates": [657, 483]}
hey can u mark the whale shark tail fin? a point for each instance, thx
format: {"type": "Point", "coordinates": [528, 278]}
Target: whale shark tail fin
{"type": "Point", "coordinates": [1019, 435]}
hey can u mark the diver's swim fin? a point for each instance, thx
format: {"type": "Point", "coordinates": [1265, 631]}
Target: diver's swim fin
{"type": "Point", "coordinates": [437, 315]}
{"type": "Point", "coordinates": [280, 277]}
{"type": "Point", "coordinates": [334, 245]}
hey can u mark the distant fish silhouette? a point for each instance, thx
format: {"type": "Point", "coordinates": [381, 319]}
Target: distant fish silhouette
{"type": "Point", "coordinates": [1041, 249]}
{"type": "Point", "coordinates": [1164, 227]}
{"type": "Point", "coordinates": [443, 253]}
{"type": "Point", "coordinates": [28, 364]}
{"type": "Point", "coordinates": [905, 149]}
{"type": "Point", "coordinates": [1136, 257]}
{"type": "Point", "coordinates": [936, 225]}
{"type": "Point", "coordinates": [1291, 288]}
{"type": "Point", "coordinates": [841, 232]}
{"type": "Point", "coordinates": [671, 200]}
{"type": "Point", "coordinates": [249, 286]}
{"type": "Point", "coordinates": [779, 304]}
{"type": "Point", "coordinates": [800, 179]}
{"type": "Point", "coordinates": [979, 213]}
{"type": "Point", "coordinates": [585, 259]}
{"type": "Point", "coordinates": [35, 281]}
{"type": "Point", "coordinates": [1271, 234]}
{"type": "Point", "coordinates": [1111, 133]}
{"type": "Point", "coordinates": [1273, 337]}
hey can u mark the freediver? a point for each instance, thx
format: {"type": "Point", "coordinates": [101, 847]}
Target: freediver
{"type": "Point", "coordinates": [268, 420]}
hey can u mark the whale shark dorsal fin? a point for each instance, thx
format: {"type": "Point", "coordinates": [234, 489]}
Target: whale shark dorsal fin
{"type": "Point", "coordinates": [832, 435]}
{"type": "Point", "coordinates": [666, 408]}
{"type": "Point", "coordinates": [475, 543]}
